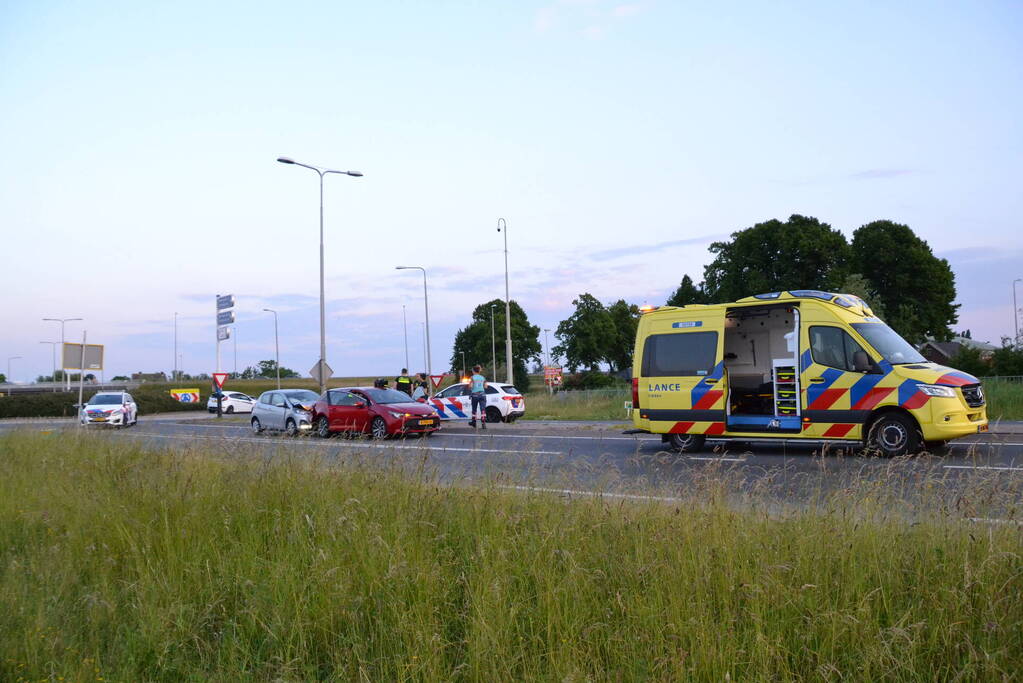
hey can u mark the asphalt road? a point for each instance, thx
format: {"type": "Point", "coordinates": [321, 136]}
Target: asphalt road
{"type": "Point", "coordinates": [579, 458]}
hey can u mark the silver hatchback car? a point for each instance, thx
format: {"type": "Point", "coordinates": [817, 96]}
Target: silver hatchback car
{"type": "Point", "coordinates": [287, 410]}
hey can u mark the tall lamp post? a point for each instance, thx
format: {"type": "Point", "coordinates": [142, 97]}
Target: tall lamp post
{"type": "Point", "coordinates": [426, 307]}
{"type": "Point", "coordinates": [62, 321]}
{"type": "Point", "coordinates": [547, 340]}
{"type": "Point", "coordinates": [1015, 312]}
{"type": "Point", "coordinates": [174, 372]}
{"type": "Point", "coordinates": [53, 346]}
{"type": "Point", "coordinates": [493, 342]}
{"type": "Point", "coordinates": [463, 363]}
{"type": "Point", "coordinates": [10, 380]}
{"type": "Point", "coordinates": [277, 348]}
{"type": "Point", "coordinates": [507, 305]}
{"type": "Point", "coordinates": [323, 327]}
{"type": "Point", "coordinates": [404, 329]}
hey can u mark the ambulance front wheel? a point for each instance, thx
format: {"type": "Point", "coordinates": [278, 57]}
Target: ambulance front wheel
{"type": "Point", "coordinates": [687, 443]}
{"type": "Point", "coordinates": [894, 435]}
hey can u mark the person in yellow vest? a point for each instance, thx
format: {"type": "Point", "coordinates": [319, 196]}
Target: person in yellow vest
{"type": "Point", "coordinates": [403, 382]}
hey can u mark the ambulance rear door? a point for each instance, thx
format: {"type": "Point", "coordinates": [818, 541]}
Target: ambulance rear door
{"type": "Point", "coordinates": [682, 388]}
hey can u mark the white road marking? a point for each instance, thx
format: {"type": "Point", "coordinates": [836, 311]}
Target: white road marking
{"type": "Point", "coordinates": [715, 459]}
{"type": "Point", "coordinates": [994, 520]}
{"type": "Point", "coordinates": [397, 446]}
{"type": "Point", "coordinates": [591, 494]}
{"type": "Point", "coordinates": [983, 467]}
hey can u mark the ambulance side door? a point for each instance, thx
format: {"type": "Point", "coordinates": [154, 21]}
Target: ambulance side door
{"type": "Point", "coordinates": [682, 387]}
{"type": "Point", "coordinates": [836, 376]}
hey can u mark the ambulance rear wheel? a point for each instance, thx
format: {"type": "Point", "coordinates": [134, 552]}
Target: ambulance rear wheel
{"type": "Point", "coordinates": [894, 435]}
{"type": "Point", "coordinates": [687, 443]}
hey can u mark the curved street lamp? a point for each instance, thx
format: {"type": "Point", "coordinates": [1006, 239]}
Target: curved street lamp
{"type": "Point", "coordinates": [426, 306]}
{"type": "Point", "coordinates": [323, 328]}
{"type": "Point", "coordinates": [507, 305]}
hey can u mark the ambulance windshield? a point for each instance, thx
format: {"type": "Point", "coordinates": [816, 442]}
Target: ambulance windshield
{"type": "Point", "coordinates": [888, 343]}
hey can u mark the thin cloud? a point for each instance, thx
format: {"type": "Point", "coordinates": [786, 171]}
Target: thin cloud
{"type": "Point", "coordinates": [609, 254]}
{"type": "Point", "coordinates": [881, 173]}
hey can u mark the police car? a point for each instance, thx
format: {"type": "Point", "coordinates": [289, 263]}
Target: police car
{"type": "Point", "coordinates": [113, 408]}
{"type": "Point", "coordinates": [504, 403]}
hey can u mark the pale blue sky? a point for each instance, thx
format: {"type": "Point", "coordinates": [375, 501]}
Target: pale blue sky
{"type": "Point", "coordinates": [138, 174]}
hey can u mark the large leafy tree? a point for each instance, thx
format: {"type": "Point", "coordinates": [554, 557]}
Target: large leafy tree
{"type": "Point", "coordinates": [584, 335]}
{"type": "Point", "coordinates": [916, 288]}
{"type": "Point", "coordinates": [625, 318]}
{"type": "Point", "coordinates": [687, 293]}
{"type": "Point", "coordinates": [475, 340]}
{"type": "Point", "coordinates": [800, 253]}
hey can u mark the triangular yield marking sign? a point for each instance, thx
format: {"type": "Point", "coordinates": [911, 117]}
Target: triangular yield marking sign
{"type": "Point", "coordinates": [436, 379]}
{"type": "Point", "coordinates": [219, 378]}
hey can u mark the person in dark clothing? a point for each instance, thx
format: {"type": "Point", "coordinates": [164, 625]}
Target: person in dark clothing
{"type": "Point", "coordinates": [403, 382]}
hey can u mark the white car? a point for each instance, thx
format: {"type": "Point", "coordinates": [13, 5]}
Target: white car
{"type": "Point", "coordinates": [504, 403]}
{"type": "Point", "coordinates": [233, 402]}
{"type": "Point", "coordinates": [116, 408]}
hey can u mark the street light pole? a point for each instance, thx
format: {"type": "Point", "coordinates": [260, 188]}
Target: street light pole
{"type": "Point", "coordinates": [323, 325]}
{"type": "Point", "coordinates": [547, 340]}
{"type": "Point", "coordinates": [277, 348]}
{"type": "Point", "coordinates": [174, 373]}
{"type": "Point", "coordinates": [426, 307]}
{"type": "Point", "coordinates": [53, 347]}
{"type": "Point", "coordinates": [493, 342]}
{"type": "Point", "coordinates": [62, 321]}
{"type": "Point", "coordinates": [463, 362]}
{"type": "Point", "coordinates": [10, 380]}
{"type": "Point", "coordinates": [1015, 312]}
{"type": "Point", "coordinates": [507, 305]}
{"type": "Point", "coordinates": [404, 328]}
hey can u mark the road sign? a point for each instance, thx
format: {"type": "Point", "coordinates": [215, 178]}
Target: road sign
{"type": "Point", "coordinates": [185, 395]}
{"type": "Point", "coordinates": [552, 375]}
{"type": "Point", "coordinates": [436, 380]}
{"type": "Point", "coordinates": [72, 357]}
{"type": "Point", "coordinates": [225, 317]}
{"type": "Point", "coordinates": [218, 378]}
{"type": "Point", "coordinates": [225, 301]}
{"type": "Point", "coordinates": [321, 372]}
{"type": "Point", "coordinates": [223, 333]}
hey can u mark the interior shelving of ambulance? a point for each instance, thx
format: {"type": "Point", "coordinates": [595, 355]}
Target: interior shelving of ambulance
{"type": "Point", "coordinates": [761, 356]}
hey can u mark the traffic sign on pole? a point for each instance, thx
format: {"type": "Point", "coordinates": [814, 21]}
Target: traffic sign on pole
{"type": "Point", "coordinates": [225, 301]}
{"type": "Point", "coordinates": [223, 333]}
{"type": "Point", "coordinates": [219, 378]}
{"type": "Point", "coordinates": [321, 372]}
{"type": "Point", "coordinates": [436, 380]}
{"type": "Point", "coordinates": [225, 317]}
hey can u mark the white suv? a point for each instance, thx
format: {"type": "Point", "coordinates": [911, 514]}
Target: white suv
{"type": "Point", "coordinates": [504, 403]}
{"type": "Point", "coordinates": [116, 408]}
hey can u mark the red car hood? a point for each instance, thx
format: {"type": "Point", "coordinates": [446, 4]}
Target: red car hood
{"type": "Point", "coordinates": [412, 408]}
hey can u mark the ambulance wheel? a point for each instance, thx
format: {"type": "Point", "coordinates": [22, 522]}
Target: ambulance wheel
{"type": "Point", "coordinates": [687, 443]}
{"type": "Point", "coordinates": [893, 435]}
{"type": "Point", "coordinates": [493, 414]}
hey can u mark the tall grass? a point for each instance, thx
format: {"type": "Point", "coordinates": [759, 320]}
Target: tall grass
{"type": "Point", "coordinates": [581, 405]}
{"type": "Point", "coordinates": [119, 563]}
{"type": "Point", "coordinates": [1005, 399]}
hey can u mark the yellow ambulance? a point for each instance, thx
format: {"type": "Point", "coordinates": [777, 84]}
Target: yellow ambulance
{"type": "Point", "coordinates": [801, 364]}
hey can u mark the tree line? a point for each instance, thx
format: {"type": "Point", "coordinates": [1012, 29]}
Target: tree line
{"type": "Point", "coordinates": [886, 264]}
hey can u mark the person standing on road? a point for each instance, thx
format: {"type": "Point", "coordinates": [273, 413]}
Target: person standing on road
{"type": "Point", "coordinates": [478, 396]}
{"type": "Point", "coordinates": [403, 382]}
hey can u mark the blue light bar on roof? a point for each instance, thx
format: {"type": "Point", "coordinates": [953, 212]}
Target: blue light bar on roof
{"type": "Point", "coordinates": [811, 294]}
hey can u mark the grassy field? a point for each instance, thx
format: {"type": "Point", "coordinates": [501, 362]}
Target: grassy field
{"type": "Point", "coordinates": [122, 564]}
{"type": "Point", "coordinates": [1005, 399]}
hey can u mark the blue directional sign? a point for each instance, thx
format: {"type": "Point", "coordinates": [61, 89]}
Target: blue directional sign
{"type": "Point", "coordinates": [225, 301]}
{"type": "Point", "coordinates": [225, 317]}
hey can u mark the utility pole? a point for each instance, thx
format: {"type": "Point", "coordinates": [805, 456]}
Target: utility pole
{"type": "Point", "coordinates": [174, 373]}
{"type": "Point", "coordinates": [404, 328]}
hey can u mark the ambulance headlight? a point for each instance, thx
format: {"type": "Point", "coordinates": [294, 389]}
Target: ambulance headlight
{"type": "Point", "coordinates": [937, 390]}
